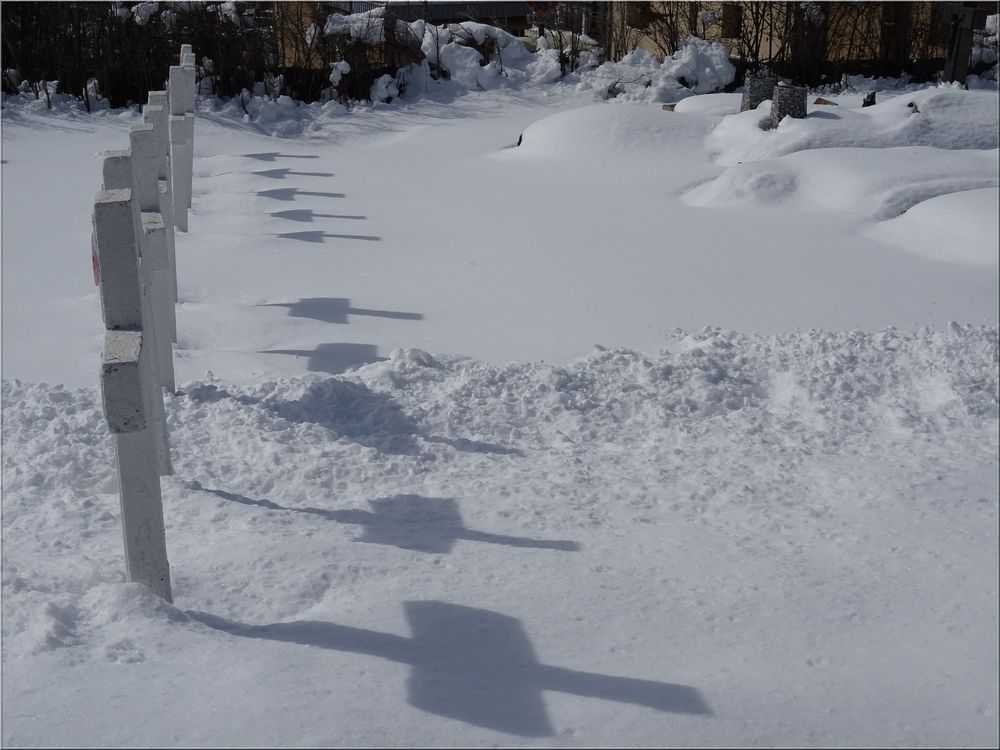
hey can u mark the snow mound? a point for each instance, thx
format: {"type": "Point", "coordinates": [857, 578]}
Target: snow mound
{"type": "Point", "coordinates": [600, 132]}
{"type": "Point", "coordinates": [396, 421]}
{"type": "Point", "coordinates": [710, 104]}
{"type": "Point", "coordinates": [956, 228]}
{"type": "Point", "coordinates": [944, 118]}
{"type": "Point", "coordinates": [881, 183]}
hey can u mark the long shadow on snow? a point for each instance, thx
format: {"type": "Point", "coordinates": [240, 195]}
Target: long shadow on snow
{"type": "Point", "coordinates": [275, 155]}
{"type": "Point", "coordinates": [307, 214]}
{"type": "Point", "coordinates": [320, 236]}
{"type": "Point", "coordinates": [280, 173]}
{"type": "Point", "coordinates": [334, 358]}
{"type": "Point", "coordinates": [353, 411]}
{"type": "Point", "coordinates": [421, 524]}
{"type": "Point", "coordinates": [474, 666]}
{"type": "Point", "coordinates": [289, 194]}
{"type": "Point", "coordinates": [336, 310]}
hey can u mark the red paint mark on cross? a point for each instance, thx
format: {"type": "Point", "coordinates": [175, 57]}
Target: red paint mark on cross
{"type": "Point", "coordinates": [93, 258]}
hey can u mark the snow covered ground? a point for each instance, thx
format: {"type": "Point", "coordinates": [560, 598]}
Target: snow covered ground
{"type": "Point", "coordinates": [777, 526]}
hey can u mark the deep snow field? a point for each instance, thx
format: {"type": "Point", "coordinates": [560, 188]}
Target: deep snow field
{"type": "Point", "coordinates": [657, 429]}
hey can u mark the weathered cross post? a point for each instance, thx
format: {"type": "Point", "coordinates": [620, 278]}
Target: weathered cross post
{"type": "Point", "coordinates": [119, 174]}
{"type": "Point", "coordinates": [191, 95]}
{"type": "Point", "coordinates": [180, 92]}
{"type": "Point", "coordinates": [154, 244]}
{"type": "Point", "coordinates": [155, 114]}
{"type": "Point", "coordinates": [126, 385]}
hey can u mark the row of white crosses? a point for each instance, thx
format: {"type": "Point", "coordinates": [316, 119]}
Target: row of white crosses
{"type": "Point", "coordinates": [145, 195]}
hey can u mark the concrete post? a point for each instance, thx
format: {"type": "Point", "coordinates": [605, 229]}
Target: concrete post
{"type": "Point", "coordinates": [117, 169]}
{"type": "Point", "coordinates": [191, 96]}
{"type": "Point", "coordinates": [121, 167]}
{"type": "Point", "coordinates": [118, 258]}
{"type": "Point", "coordinates": [122, 380]}
{"type": "Point", "coordinates": [756, 90]}
{"type": "Point", "coordinates": [156, 115]}
{"type": "Point", "coordinates": [126, 384]}
{"type": "Point", "coordinates": [181, 95]}
{"type": "Point", "coordinates": [154, 250]}
{"type": "Point", "coordinates": [179, 150]}
{"type": "Point", "coordinates": [788, 101]}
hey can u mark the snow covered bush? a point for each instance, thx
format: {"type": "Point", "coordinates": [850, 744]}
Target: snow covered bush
{"type": "Point", "coordinates": [384, 89]}
{"type": "Point", "coordinates": [985, 50]}
{"type": "Point", "coordinates": [698, 67]}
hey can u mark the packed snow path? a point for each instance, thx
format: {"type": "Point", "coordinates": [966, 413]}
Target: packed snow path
{"type": "Point", "coordinates": [718, 538]}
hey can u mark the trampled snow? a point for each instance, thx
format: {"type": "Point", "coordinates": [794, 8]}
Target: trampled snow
{"type": "Point", "coordinates": [414, 504]}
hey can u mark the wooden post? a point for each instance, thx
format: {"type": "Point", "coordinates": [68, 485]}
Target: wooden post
{"type": "Point", "coordinates": [118, 165]}
{"type": "Point", "coordinates": [156, 115]}
{"type": "Point", "coordinates": [126, 383]}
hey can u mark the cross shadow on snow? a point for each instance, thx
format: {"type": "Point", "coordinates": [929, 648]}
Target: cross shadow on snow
{"type": "Point", "coordinates": [274, 156]}
{"type": "Point", "coordinates": [290, 194]}
{"type": "Point", "coordinates": [472, 665]}
{"type": "Point", "coordinates": [281, 173]}
{"type": "Point", "coordinates": [320, 236]}
{"type": "Point", "coordinates": [334, 358]}
{"type": "Point", "coordinates": [336, 310]}
{"type": "Point", "coordinates": [307, 214]}
{"type": "Point", "coordinates": [353, 411]}
{"type": "Point", "coordinates": [422, 524]}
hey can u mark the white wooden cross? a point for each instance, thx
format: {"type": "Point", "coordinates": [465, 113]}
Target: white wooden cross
{"type": "Point", "coordinates": [156, 114]}
{"type": "Point", "coordinates": [129, 388]}
{"type": "Point", "coordinates": [121, 173]}
{"type": "Point", "coordinates": [181, 95]}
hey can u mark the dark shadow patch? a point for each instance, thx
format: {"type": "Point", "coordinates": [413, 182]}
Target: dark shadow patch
{"type": "Point", "coordinates": [473, 665]}
{"type": "Point", "coordinates": [334, 358]}
{"type": "Point", "coordinates": [307, 214]}
{"type": "Point", "coordinates": [283, 172]}
{"type": "Point", "coordinates": [274, 155]}
{"type": "Point", "coordinates": [336, 310]}
{"type": "Point", "coordinates": [822, 115]}
{"type": "Point", "coordinates": [289, 194]}
{"type": "Point", "coordinates": [319, 236]}
{"type": "Point", "coordinates": [422, 524]}
{"type": "Point", "coordinates": [352, 410]}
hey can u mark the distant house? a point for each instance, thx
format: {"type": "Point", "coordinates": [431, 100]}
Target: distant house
{"type": "Point", "coordinates": [805, 40]}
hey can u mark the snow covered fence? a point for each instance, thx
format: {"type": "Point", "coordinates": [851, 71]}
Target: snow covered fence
{"type": "Point", "coordinates": [146, 193]}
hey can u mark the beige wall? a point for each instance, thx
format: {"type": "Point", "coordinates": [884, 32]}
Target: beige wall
{"type": "Point", "coordinates": [854, 30]}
